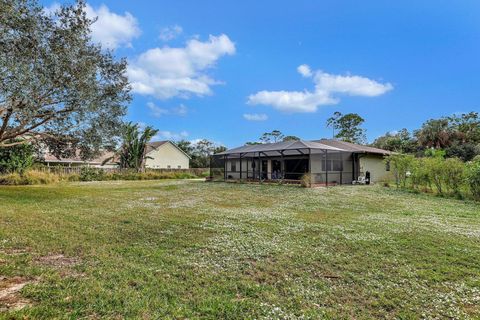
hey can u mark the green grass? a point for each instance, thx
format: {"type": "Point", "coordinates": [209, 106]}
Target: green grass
{"type": "Point", "coordinates": [183, 249]}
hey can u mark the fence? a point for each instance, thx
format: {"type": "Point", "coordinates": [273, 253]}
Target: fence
{"type": "Point", "coordinates": [78, 169]}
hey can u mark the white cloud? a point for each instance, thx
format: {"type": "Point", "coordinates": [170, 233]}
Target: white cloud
{"type": "Point", "coordinates": [181, 110]}
{"type": "Point", "coordinates": [170, 72]}
{"type": "Point", "coordinates": [255, 116]}
{"type": "Point", "coordinates": [111, 30]}
{"type": "Point", "coordinates": [170, 33]}
{"type": "Point", "coordinates": [304, 70]}
{"type": "Point", "coordinates": [169, 135]}
{"type": "Point", "coordinates": [158, 112]}
{"type": "Point", "coordinates": [326, 86]}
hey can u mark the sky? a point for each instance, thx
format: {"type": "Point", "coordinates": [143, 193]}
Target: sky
{"type": "Point", "coordinates": [229, 71]}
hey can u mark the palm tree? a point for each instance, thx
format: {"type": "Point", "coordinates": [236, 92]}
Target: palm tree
{"type": "Point", "coordinates": [435, 133]}
{"type": "Point", "coordinates": [132, 153]}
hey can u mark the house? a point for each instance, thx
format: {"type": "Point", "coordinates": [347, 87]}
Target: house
{"type": "Point", "coordinates": [76, 161]}
{"type": "Point", "coordinates": [325, 161]}
{"type": "Point", "coordinates": [166, 155]}
{"type": "Point", "coordinates": [160, 155]}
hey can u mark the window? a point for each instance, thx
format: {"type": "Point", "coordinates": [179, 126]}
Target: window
{"type": "Point", "coordinates": [387, 166]}
{"type": "Point", "coordinates": [233, 166]}
{"type": "Point", "coordinates": [337, 165]}
{"type": "Point", "coordinates": [332, 165]}
{"type": "Point", "coordinates": [169, 167]}
{"type": "Point", "coordinates": [179, 167]}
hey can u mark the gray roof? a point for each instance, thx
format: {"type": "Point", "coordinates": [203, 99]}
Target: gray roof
{"type": "Point", "coordinates": [292, 147]}
{"type": "Point", "coordinates": [280, 146]}
{"type": "Point", "coordinates": [348, 146]}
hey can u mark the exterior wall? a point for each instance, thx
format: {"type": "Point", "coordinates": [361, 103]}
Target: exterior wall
{"type": "Point", "coordinates": [319, 175]}
{"type": "Point", "coordinates": [375, 165]}
{"type": "Point", "coordinates": [167, 156]}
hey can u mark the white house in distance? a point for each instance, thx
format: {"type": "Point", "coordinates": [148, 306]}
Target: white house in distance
{"type": "Point", "coordinates": [160, 155]}
{"type": "Point", "coordinates": [166, 155]}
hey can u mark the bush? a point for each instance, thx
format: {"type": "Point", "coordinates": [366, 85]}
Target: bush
{"type": "Point", "coordinates": [91, 174]}
{"type": "Point", "coordinates": [306, 181]}
{"type": "Point", "coordinates": [435, 168]}
{"type": "Point", "coordinates": [473, 178]}
{"type": "Point", "coordinates": [454, 175]}
{"type": "Point", "coordinates": [400, 165]}
{"type": "Point", "coordinates": [17, 158]}
{"type": "Point", "coordinates": [11, 179]}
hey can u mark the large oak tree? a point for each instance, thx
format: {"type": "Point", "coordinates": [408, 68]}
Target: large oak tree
{"type": "Point", "coordinates": [56, 86]}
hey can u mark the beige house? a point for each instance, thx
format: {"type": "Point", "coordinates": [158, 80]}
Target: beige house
{"type": "Point", "coordinates": [166, 155]}
{"type": "Point", "coordinates": [160, 155]}
{"type": "Point", "coordinates": [322, 161]}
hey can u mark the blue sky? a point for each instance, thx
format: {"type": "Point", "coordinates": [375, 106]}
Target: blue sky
{"type": "Point", "coordinates": [229, 70]}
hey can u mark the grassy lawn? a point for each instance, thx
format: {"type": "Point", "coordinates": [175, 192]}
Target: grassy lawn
{"type": "Point", "coordinates": [184, 249]}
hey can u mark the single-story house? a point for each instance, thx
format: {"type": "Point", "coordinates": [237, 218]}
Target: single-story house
{"type": "Point", "coordinates": [160, 155]}
{"type": "Point", "coordinates": [76, 161]}
{"type": "Point", "coordinates": [326, 161]}
{"type": "Point", "coordinates": [166, 155]}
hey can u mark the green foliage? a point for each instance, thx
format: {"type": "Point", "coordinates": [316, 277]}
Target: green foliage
{"type": "Point", "coordinates": [401, 141]}
{"type": "Point", "coordinates": [272, 137]}
{"type": "Point", "coordinates": [200, 152]}
{"type": "Point", "coordinates": [473, 177]}
{"type": "Point", "coordinates": [291, 138]}
{"type": "Point", "coordinates": [91, 174]}
{"type": "Point", "coordinates": [134, 146]}
{"type": "Point", "coordinates": [435, 168]}
{"type": "Point", "coordinates": [401, 165]}
{"type": "Point", "coordinates": [56, 85]}
{"type": "Point", "coordinates": [454, 175]}
{"type": "Point", "coordinates": [348, 127]}
{"type": "Point", "coordinates": [17, 158]}
{"type": "Point", "coordinates": [435, 153]}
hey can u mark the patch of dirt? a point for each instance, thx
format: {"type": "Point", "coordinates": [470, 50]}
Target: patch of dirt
{"type": "Point", "coordinates": [58, 261]}
{"type": "Point", "coordinates": [15, 251]}
{"type": "Point", "coordinates": [10, 298]}
{"type": "Point", "coordinates": [62, 263]}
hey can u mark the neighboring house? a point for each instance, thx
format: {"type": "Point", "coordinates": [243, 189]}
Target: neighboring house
{"type": "Point", "coordinates": [160, 155]}
{"type": "Point", "coordinates": [166, 155]}
{"type": "Point", "coordinates": [325, 161]}
{"type": "Point", "coordinates": [76, 161]}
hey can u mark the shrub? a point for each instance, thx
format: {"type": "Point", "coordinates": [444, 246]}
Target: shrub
{"type": "Point", "coordinates": [306, 181]}
{"type": "Point", "coordinates": [38, 177]}
{"type": "Point", "coordinates": [400, 165]}
{"type": "Point", "coordinates": [473, 178]}
{"type": "Point", "coordinates": [453, 172]}
{"type": "Point", "coordinates": [91, 174]}
{"type": "Point", "coordinates": [11, 179]}
{"type": "Point", "coordinates": [17, 158]}
{"type": "Point", "coordinates": [435, 168]}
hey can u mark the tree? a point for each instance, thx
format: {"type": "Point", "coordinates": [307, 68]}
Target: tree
{"type": "Point", "coordinates": [17, 158]}
{"type": "Point", "coordinates": [401, 141]}
{"type": "Point", "coordinates": [132, 153]}
{"type": "Point", "coordinates": [272, 137]}
{"type": "Point", "coordinates": [57, 86]}
{"type": "Point", "coordinates": [291, 138]}
{"type": "Point", "coordinates": [435, 133]}
{"type": "Point", "coordinates": [348, 127]}
{"type": "Point", "coordinates": [200, 151]}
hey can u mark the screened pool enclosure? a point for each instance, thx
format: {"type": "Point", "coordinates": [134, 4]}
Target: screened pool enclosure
{"type": "Point", "coordinates": [287, 162]}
